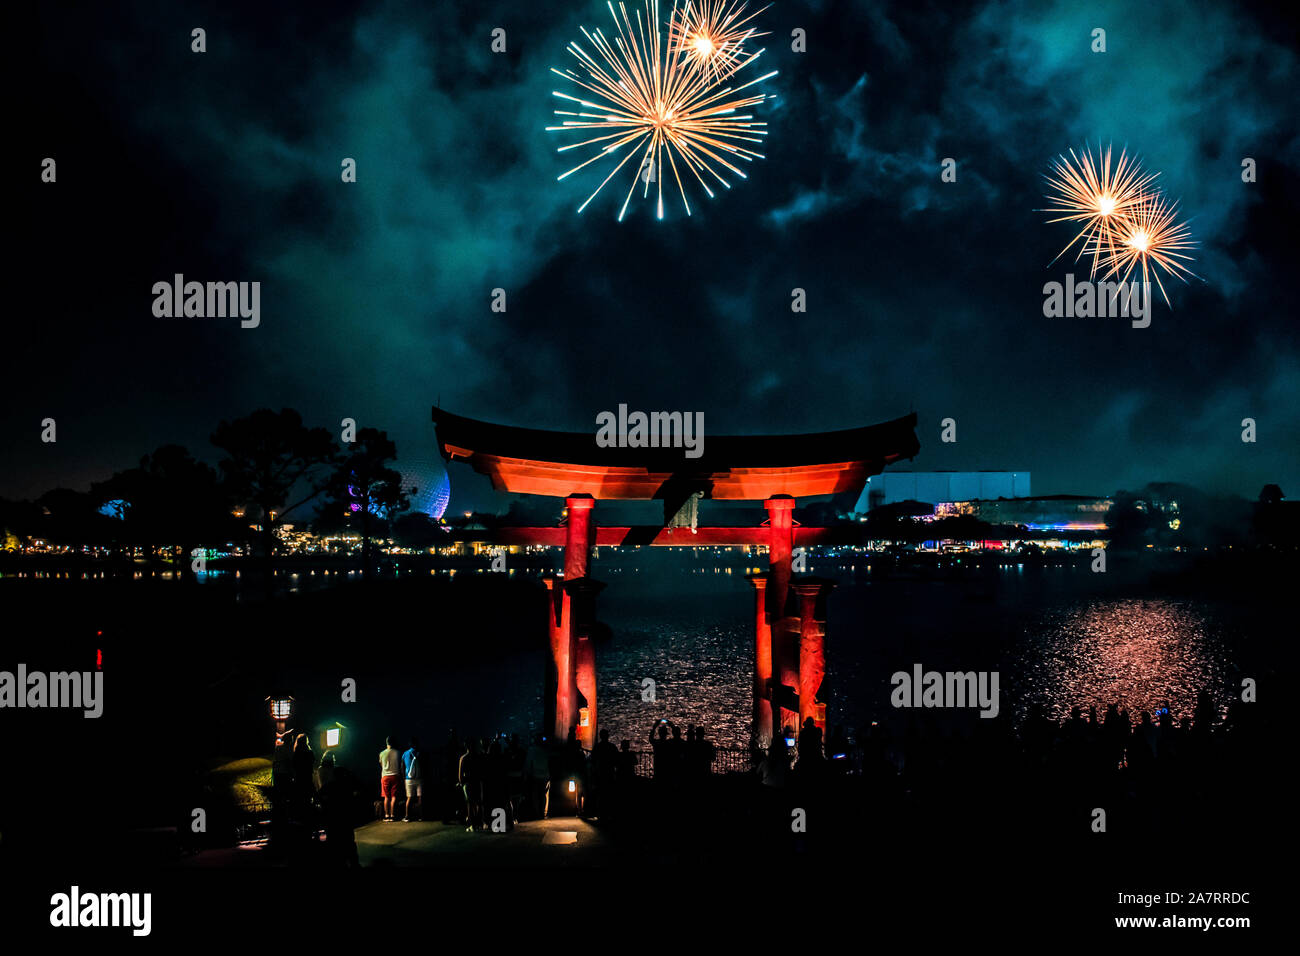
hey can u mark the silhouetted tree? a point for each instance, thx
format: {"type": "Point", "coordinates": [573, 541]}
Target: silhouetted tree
{"type": "Point", "coordinates": [1128, 522]}
{"type": "Point", "coordinates": [170, 497]}
{"type": "Point", "coordinates": [417, 530]}
{"type": "Point", "coordinates": [365, 488]}
{"type": "Point", "coordinates": [531, 513]}
{"type": "Point", "coordinates": [66, 516]}
{"type": "Point", "coordinates": [893, 522]}
{"type": "Point", "coordinates": [275, 464]}
{"type": "Point", "coordinates": [1276, 521]}
{"type": "Point", "coordinates": [819, 514]}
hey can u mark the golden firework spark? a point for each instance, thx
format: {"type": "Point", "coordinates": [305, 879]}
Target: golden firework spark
{"type": "Point", "coordinates": [1102, 197]}
{"type": "Point", "coordinates": [1152, 237]}
{"type": "Point", "coordinates": [711, 35]}
{"type": "Point", "coordinates": [657, 106]}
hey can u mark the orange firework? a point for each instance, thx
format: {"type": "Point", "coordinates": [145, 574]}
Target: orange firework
{"type": "Point", "coordinates": [651, 104]}
{"type": "Point", "coordinates": [711, 35]}
{"type": "Point", "coordinates": [1101, 197]}
{"type": "Point", "coordinates": [1153, 237]}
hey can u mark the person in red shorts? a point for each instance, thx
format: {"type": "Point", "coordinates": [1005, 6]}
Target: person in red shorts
{"type": "Point", "coordinates": [390, 778]}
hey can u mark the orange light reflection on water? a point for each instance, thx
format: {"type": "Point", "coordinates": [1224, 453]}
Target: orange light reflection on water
{"type": "Point", "coordinates": [1141, 654]}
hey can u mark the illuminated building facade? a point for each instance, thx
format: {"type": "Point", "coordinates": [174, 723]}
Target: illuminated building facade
{"type": "Point", "coordinates": [936, 487]}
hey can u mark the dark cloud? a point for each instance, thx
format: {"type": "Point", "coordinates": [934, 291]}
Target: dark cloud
{"type": "Point", "coordinates": [921, 293]}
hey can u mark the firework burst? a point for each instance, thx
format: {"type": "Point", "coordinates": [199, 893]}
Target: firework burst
{"type": "Point", "coordinates": [1153, 238]}
{"type": "Point", "coordinates": [711, 35]}
{"type": "Point", "coordinates": [1099, 197]}
{"type": "Point", "coordinates": [648, 99]}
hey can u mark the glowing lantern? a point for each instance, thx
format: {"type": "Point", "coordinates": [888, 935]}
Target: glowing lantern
{"type": "Point", "coordinates": [332, 737]}
{"type": "Point", "coordinates": [584, 716]}
{"type": "Point", "coordinates": [281, 711]}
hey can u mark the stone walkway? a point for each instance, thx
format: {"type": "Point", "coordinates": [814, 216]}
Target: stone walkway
{"type": "Point", "coordinates": [566, 841]}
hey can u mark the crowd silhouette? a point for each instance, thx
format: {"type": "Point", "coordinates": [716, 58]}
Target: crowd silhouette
{"type": "Point", "coordinates": [925, 771]}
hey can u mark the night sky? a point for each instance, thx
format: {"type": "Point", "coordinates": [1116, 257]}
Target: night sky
{"type": "Point", "coordinates": [921, 294]}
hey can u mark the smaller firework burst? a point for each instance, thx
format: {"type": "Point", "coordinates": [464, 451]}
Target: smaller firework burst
{"type": "Point", "coordinates": [1152, 237]}
{"type": "Point", "coordinates": [711, 35]}
{"type": "Point", "coordinates": [1099, 196]}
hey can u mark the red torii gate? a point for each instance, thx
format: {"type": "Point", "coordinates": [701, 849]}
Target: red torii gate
{"type": "Point", "coordinates": [790, 616]}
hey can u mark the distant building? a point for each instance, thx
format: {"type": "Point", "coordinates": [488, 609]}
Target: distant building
{"type": "Point", "coordinates": [1051, 513]}
{"type": "Point", "coordinates": [939, 487]}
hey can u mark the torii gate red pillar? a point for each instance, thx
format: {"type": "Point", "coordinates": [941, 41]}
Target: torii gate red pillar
{"type": "Point", "coordinates": [561, 687]}
{"type": "Point", "coordinates": [812, 648]}
{"type": "Point", "coordinates": [578, 537]}
{"type": "Point", "coordinates": [761, 734]}
{"type": "Point", "coordinates": [572, 652]}
{"type": "Point", "coordinates": [780, 548]}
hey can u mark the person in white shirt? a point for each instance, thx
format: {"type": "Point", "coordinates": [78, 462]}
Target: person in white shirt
{"type": "Point", "coordinates": [390, 777]}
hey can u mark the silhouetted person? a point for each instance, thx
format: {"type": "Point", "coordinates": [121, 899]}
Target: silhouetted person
{"type": "Point", "coordinates": [604, 767]}
{"type": "Point", "coordinates": [1204, 715]}
{"type": "Point", "coordinates": [471, 784]}
{"type": "Point", "coordinates": [1114, 734]}
{"type": "Point", "coordinates": [336, 809]}
{"type": "Point", "coordinates": [304, 764]}
{"type": "Point", "coordinates": [537, 777]}
{"type": "Point", "coordinates": [702, 754]}
{"type": "Point", "coordinates": [1148, 734]}
{"type": "Point", "coordinates": [626, 766]}
{"type": "Point", "coordinates": [281, 788]}
{"type": "Point", "coordinates": [660, 746]}
{"type": "Point", "coordinates": [453, 797]}
{"type": "Point", "coordinates": [495, 791]}
{"type": "Point", "coordinates": [1075, 728]}
{"type": "Point", "coordinates": [325, 772]}
{"type": "Point", "coordinates": [775, 764]}
{"type": "Point", "coordinates": [625, 762]}
{"type": "Point", "coordinates": [514, 758]}
{"type": "Point", "coordinates": [676, 753]}
{"type": "Point", "coordinates": [574, 764]}
{"type": "Point", "coordinates": [810, 742]}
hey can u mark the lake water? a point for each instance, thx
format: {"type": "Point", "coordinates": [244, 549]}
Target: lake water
{"type": "Point", "coordinates": [1052, 642]}
{"type": "Point", "coordinates": [1056, 637]}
